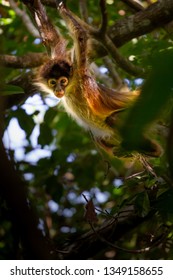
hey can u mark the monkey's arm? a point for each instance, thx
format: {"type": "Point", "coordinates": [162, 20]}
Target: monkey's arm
{"type": "Point", "coordinates": [51, 38]}
{"type": "Point", "coordinates": [78, 33]}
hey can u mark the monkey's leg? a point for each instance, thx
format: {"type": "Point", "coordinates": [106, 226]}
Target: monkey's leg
{"type": "Point", "coordinates": [146, 146]}
{"type": "Point", "coordinates": [78, 32]}
{"type": "Point", "coordinates": [50, 36]}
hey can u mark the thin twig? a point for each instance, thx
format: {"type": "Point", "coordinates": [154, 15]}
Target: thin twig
{"type": "Point", "coordinates": [147, 166]}
{"type": "Point", "coordinates": [120, 60]}
{"type": "Point", "coordinates": [113, 73]}
{"type": "Point", "coordinates": [134, 251]}
{"type": "Point", "coordinates": [135, 175]}
{"type": "Point", "coordinates": [102, 239]}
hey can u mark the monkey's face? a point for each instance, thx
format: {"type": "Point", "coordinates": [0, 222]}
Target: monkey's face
{"type": "Point", "coordinates": [58, 85]}
{"type": "Point", "coordinates": [53, 77]}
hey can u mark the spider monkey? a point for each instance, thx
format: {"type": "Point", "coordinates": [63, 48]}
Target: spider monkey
{"type": "Point", "coordinates": [93, 106]}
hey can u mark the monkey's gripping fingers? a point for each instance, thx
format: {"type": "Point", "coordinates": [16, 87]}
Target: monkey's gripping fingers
{"type": "Point", "coordinates": [60, 4]}
{"type": "Point", "coordinates": [78, 32]}
{"type": "Point", "coordinates": [75, 24]}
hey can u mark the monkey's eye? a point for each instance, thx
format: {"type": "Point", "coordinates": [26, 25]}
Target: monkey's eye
{"type": "Point", "coordinates": [63, 81]}
{"type": "Point", "coordinates": [52, 83]}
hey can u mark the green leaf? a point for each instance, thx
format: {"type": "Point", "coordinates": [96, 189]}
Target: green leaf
{"type": "Point", "coordinates": [45, 137]}
{"type": "Point", "coordinates": [155, 94]}
{"type": "Point", "coordinates": [10, 90]}
{"type": "Point", "coordinates": [50, 115]}
{"type": "Point", "coordinates": [25, 121]}
{"type": "Point", "coordinates": [164, 205]}
{"type": "Point", "coordinates": [142, 204]}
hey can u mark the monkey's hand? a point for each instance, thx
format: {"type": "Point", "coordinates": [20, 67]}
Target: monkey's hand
{"type": "Point", "coordinates": [60, 4]}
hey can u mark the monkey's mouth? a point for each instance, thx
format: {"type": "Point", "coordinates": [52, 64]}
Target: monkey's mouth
{"type": "Point", "coordinates": [59, 93]}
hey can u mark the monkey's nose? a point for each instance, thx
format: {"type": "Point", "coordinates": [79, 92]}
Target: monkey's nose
{"type": "Point", "coordinates": [59, 92]}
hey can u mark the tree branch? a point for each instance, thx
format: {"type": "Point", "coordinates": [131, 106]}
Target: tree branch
{"type": "Point", "coordinates": [28, 60]}
{"type": "Point", "coordinates": [120, 60]}
{"type": "Point", "coordinates": [104, 23]}
{"type": "Point", "coordinates": [143, 22]}
{"type": "Point", "coordinates": [114, 74]}
{"type": "Point", "coordinates": [156, 15]}
{"type": "Point", "coordinates": [133, 5]}
{"type": "Point", "coordinates": [88, 244]}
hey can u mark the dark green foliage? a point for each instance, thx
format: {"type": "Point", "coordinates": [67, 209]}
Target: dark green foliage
{"type": "Point", "coordinates": [156, 93]}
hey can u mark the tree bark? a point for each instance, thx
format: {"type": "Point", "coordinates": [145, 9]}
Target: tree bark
{"type": "Point", "coordinates": [143, 22]}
